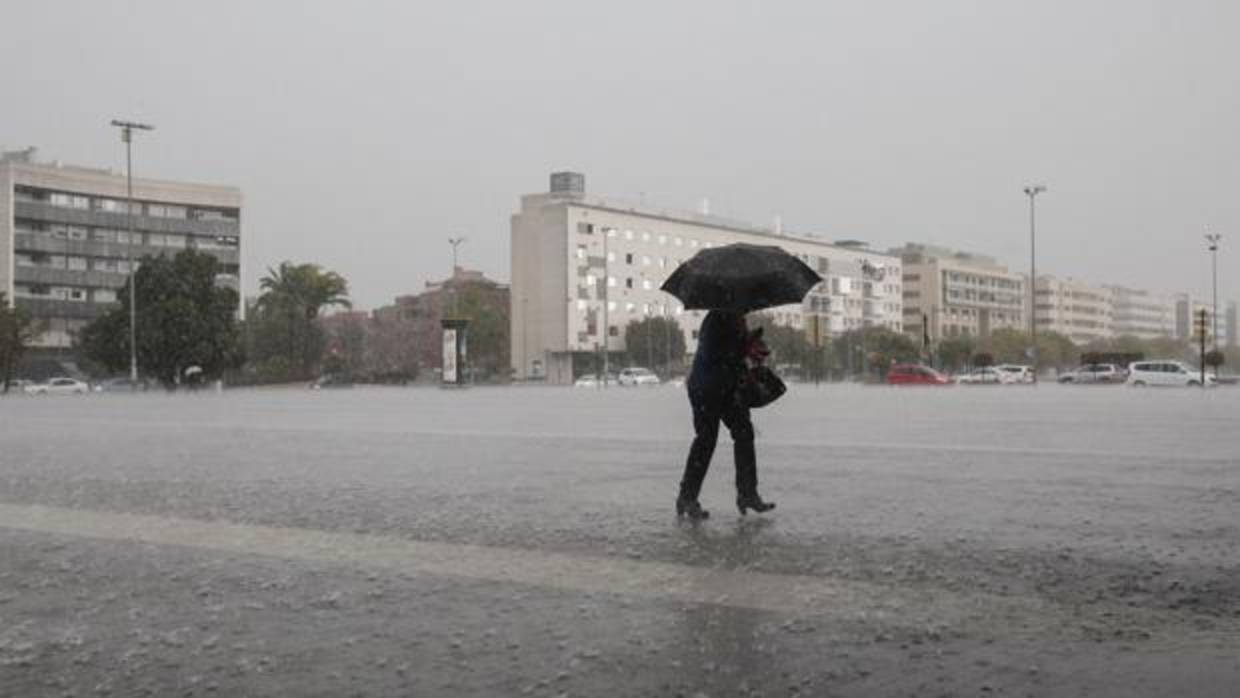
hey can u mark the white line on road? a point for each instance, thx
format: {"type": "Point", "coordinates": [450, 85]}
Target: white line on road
{"type": "Point", "coordinates": [660, 581]}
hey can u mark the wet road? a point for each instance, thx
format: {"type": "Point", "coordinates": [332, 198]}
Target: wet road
{"type": "Point", "coordinates": [984, 541]}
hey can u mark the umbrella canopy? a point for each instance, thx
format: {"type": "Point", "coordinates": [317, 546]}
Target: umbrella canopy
{"type": "Point", "coordinates": [742, 278]}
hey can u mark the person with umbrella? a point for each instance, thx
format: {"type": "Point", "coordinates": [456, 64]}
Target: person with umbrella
{"type": "Point", "coordinates": [730, 281]}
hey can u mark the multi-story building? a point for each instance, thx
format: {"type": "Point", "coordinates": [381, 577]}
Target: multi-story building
{"type": "Point", "coordinates": [1078, 310]}
{"type": "Point", "coordinates": [1188, 308]}
{"type": "Point", "coordinates": [949, 293]}
{"type": "Point", "coordinates": [1141, 314]}
{"type": "Point", "coordinates": [65, 246]}
{"type": "Point", "coordinates": [584, 267]}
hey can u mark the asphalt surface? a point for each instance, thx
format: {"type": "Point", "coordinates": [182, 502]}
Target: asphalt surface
{"type": "Point", "coordinates": [1050, 541]}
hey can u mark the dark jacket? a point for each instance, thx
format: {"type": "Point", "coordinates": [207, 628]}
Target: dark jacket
{"type": "Point", "coordinates": [720, 358]}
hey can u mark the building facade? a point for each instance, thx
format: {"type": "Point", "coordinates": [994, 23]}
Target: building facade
{"type": "Point", "coordinates": [65, 246]}
{"type": "Point", "coordinates": [584, 267]}
{"type": "Point", "coordinates": [1080, 311]}
{"type": "Point", "coordinates": [949, 293]}
{"type": "Point", "coordinates": [1141, 314]}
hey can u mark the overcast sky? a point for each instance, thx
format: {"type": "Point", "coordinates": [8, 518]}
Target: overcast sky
{"type": "Point", "coordinates": [364, 134]}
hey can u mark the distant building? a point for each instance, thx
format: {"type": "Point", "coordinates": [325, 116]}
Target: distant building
{"type": "Point", "coordinates": [65, 245]}
{"type": "Point", "coordinates": [416, 319]}
{"type": "Point", "coordinates": [1186, 310]}
{"type": "Point", "coordinates": [1141, 314]}
{"type": "Point", "coordinates": [1078, 310]}
{"type": "Point", "coordinates": [578, 258]}
{"type": "Point", "coordinates": [950, 293]}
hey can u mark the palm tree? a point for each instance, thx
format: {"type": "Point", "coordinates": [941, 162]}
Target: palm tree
{"type": "Point", "coordinates": [297, 293]}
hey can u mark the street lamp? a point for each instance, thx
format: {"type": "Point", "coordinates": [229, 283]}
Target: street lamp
{"type": "Point", "coordinates": [1032, 192]}
{"type": "Point", "coordinates": [127, 128]}
{"type": "Point", "coordinates": [1212, 240]}
{"type": "Point", "coordinates": [455, 242]}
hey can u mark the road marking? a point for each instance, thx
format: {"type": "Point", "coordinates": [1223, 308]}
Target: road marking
{"type": "Point", "coordinates": [662, 581]}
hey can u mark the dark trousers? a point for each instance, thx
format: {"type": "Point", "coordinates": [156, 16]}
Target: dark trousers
{"type": "Point", "coordinates": [708, 412]}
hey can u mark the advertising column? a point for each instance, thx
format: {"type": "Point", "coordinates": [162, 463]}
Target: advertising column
{"type": "Point", "coordinates": [455, 364]}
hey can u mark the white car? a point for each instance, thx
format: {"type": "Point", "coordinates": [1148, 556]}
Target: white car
{"type": "Point", "coordinates": [59, 386]}
{"type": "Point", "coordinates": [1175, 373]}
{"type": "Point", "coordinates": [591, 380]}
{"type": "Point", "coordinates": [986, 376]}
{"type": "Point", "coordinates": [1017, 372]}
{"type": "Point", "coordinates": [638, 376]}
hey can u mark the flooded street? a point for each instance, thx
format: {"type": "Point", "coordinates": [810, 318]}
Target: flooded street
{"type": "Point", "coordinates": [928, 541]}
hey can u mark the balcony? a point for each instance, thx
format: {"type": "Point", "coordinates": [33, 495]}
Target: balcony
{"type": "Point", "coordinates": [53, 276]}
{"type": "Point", "coordinates": [45, 308]}
{"type": "Point", "coordinates": [35, 242]}
{"type": "Point", "coordinates": [42, 211]}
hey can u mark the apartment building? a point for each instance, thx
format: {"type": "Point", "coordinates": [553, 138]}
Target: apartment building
{"type": "Point", "coordinates": [950, 293]}
{"type": "Point", "coordinates": [65, 246]}
{"type": "Point", "coordinates": [585, 266]}
{"type": "Point", "coordinates": [1188, 307]}
{"type": "Point", "coordinates": [1142, 314]}
{"type": "Point", "coordinates": [1076, 309]}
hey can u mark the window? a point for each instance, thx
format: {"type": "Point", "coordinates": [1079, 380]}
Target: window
{"type": "Point", "coordinates": [611, 281]}
{"type": "Point", "coordinates": [103, 235]}
{"type": "Point", "coordinates": [77, 263]}
{"type": "Point", "coordinates": [662, 239]}
{"type": "Point", "coordinates": [122, 236]}
{"type": "Point", "coordinates": [628, 235]}
{"type": "Point", "coordinates": [105, 295]}
{"type": "Point", "coordinates": [581, 252]}
{"type": "Point", "coordinates": [693, 243]}
{"type": "Point", "coordinates": [174, 240]}
{"type": "Point", "coordinates": [591, 279]}
{"type": "Point", "coordinates": [645, 260]}
{"type": "Point", "coordinates": [628, 307]}
{"type": "Point", "coordinates": [645, 236]}
{"type": "Point", "coordinates": [679, 241]}
{"type": "Point", "coordinates": [582, 305]}
{"type": "Point", "coordinates": [628, 283]}
{"type": "Point", "coordinates": [613, 331]}
{"type": "Point", "coordinates": [647, 284]}
{"type": "Point", "coordinates": [155, 239]}
{"type": "Point", "coordinates": [585, 228]}
{"type": "Point", "coordinates": [611, 305]}
{"type": "Point", "coordinates": [645, 308]}
{"type": "Point", "coordinates": [628, 258]}
{"type": "Point", "coordinates": [611, 256]}
{"type": "Point", "coordinates": [611, 232]}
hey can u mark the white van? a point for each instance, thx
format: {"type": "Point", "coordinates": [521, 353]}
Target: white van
{"type": "Point", "coordinates": [1175, 373]}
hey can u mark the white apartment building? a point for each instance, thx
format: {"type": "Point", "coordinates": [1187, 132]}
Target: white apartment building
{"type": "Point", "coordinates": [1080, 311]}
{"type": "Point", "coordinates": [584, 267]}
{"type": "Point", "coordinates": [949, 293]}
{"type": "Point", "coordinates": [1139, 313]}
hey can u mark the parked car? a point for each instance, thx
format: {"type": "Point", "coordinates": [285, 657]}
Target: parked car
{"type": "Point", "coordinates": [1165, 373]}
{"type": "Point", "coordinates": [18, 386]}
{"type": "Point", "coordinates": [985, 376]}
{"type": "Point", "coordinates": [637, 375]}
{"type": "Point", "coordinates": [1095, 373]}
{"type": "Point", "coordinates": [1017, 372]}
{"type": "Point", "coordinates": [915, 374]}
{"type": "Point", "coordinates": [120, 384]}
{"type": "Point", "coordinates": [60, 386]}
{"type": "Point", "coordinates": [591, 380]}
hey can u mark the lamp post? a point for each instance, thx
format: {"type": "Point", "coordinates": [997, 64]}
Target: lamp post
{"type": "Point", "coordinates": [606, 310]}
{"type": "Point", "coordinates": [1213, 242]}
{"type": "Point", "coordinates": [127, 128]}
{"type": "Point", "coordinates": [455, 242]}
{"type": "Point", "coordinates": [1032, 192]}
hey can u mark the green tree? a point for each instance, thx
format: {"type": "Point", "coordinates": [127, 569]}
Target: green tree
{"type": "Point", "coordinates": [17, 331]}
{"type": "Point", "coordinates": [487, 335]}
{"type": "Point", "coordinates": [285, 330]}
{"type": "Point", "coordinates": [872, 348]}
{"type": "Point", "coordinates": [655, 342]}
{"type": "Point", "coordinates": [183, 320]}
{"type": "Point", "coordinates": [954, 352]}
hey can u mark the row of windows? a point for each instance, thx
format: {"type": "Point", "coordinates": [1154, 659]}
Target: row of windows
{"type": "Point", "coordinates": [81, 263]}
{"type": "Point", "coordinates": [80, 233]}
{"type": "Point", "coordinates": [65, 293]}
{"type": "Point", "coordinates": [110, 205]}
{"type": "Point", "coordinates": [975, 280]}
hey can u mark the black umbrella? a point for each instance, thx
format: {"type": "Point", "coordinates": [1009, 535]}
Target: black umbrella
{"type": "Point", "coordinates": [741, 277]}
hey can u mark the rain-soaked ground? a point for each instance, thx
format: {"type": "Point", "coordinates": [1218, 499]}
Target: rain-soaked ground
{"type": "Point", "coordinates": [494, 542]}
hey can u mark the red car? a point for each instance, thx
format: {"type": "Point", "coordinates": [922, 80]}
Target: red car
{"type": "Point", "coordinates": [915, 374]}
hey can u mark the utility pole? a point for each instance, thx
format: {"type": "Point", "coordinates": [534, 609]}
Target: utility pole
{"type": "Point", "coordinates": [1032, 192]}
{"type": "Point", "coordinates": [455, 242]}
{"type": "Point", "coordinates": [1212, 239]}
{"type": "Point", "coordinates": [606, 302]}
{"type": "Point", "coordinates": [127, 128]}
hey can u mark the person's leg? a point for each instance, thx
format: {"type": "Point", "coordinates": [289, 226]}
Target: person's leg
{"type": "Point", "coordinates": [706, 429]}
{"type": "Point", "coordinates": [738, 421]}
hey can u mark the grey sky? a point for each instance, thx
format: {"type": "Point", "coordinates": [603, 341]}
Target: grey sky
{"type": "Point", "coordinates": [364, 134]}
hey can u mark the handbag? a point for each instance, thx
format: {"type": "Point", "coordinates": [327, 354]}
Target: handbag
{"type": "Point", "coordinates": [759, 387]}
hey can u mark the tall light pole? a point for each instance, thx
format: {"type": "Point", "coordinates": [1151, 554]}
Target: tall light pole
{"type": "Point", "coordinates": [455, 242]}
{"type": "Point", "coordinates": [127, 128]}
{"type": "Point", "coordinates": [606, 310]}
{"type": "Point", "coordinates": [1212, 240]}
{"type": "Point", "coordinates": [1032, 192]}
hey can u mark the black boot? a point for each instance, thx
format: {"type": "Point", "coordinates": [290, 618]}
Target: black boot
{"type": "Point", "coordinates": [753, 501]}
{"type": "Point", "coordinates": [691, 509]}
